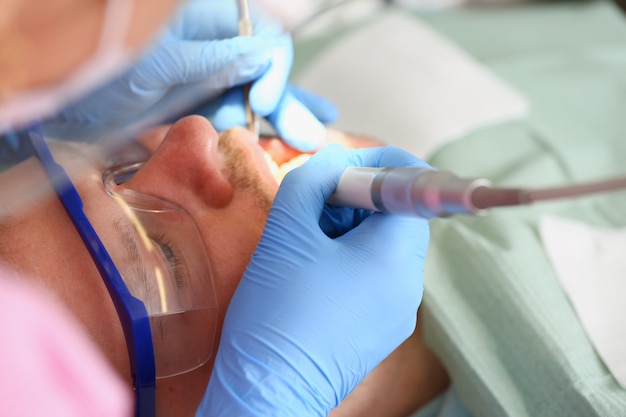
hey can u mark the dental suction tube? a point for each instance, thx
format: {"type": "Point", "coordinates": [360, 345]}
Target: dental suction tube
{"type": "Point", "coordinates": [428, 193]}
{"type": "Point", "coordinates": [416, 191]}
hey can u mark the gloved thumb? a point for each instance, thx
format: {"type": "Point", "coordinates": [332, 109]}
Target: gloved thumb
{"type": "Point", "coordinates": [297, 125]}
{"type": "Point", "coordinates": [298, 118]}
{"type": "Point", "coordinates": [324, 110]}
{"type": "Point", "coordinates": [304, 191]}
{"type": "Point", "coordinates": [230, 111]}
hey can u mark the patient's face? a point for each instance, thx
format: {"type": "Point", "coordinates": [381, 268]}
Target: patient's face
{"type": "Point", "coordinates": [226, 187]}
{"type": "Point", "coordinates": [223, 182]}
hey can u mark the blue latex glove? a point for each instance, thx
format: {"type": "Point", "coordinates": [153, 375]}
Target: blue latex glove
{"type": "Point", "coordinates": [328, 294]}
{"type": "Point", "coordinates": [298, 117]}
{"type": "Point", "coordinates": [198, 57]}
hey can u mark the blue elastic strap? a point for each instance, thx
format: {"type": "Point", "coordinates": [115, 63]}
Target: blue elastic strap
{"type": "Point", "coordinates": [131, 311]}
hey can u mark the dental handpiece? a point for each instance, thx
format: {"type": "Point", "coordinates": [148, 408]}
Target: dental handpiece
{"type": "Point", "coordinates": [245, 29]}
{"type": "Point", "coordinates": [429, 193]}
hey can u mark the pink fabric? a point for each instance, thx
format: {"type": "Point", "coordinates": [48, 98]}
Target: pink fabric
{"type": "Point", "coordinates": [48, 367]}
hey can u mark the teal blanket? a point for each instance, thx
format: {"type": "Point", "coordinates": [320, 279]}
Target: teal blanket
{"type": "Point", "coordinates": [494, 309]}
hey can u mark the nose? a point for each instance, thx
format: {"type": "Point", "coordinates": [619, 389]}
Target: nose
{"type": "Point", "coordinates": [186, 168]}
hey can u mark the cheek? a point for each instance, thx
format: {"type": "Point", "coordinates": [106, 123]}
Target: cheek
{"type": "Point", "coordinates": [230, 242]}
{"type": "Point", "coordinates": [71, 276]}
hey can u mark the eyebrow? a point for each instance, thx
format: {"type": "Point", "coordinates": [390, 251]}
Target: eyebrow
{"type": "Point", "coordinates": [138, 283]}
{"type": "Point", "coordinates": [138, 280]}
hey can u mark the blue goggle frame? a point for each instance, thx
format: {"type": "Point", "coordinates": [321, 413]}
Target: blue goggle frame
{"type": "Point", "coordinates": [131, 311]}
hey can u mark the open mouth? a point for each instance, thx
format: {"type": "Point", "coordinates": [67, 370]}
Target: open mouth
{"type": "Point", "coordinates": [280, 157]}
{"type": "Point", "coordinates": [279, 171]}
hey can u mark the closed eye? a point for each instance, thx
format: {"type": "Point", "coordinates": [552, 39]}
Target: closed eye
{"type": "Point", "coordinates": [172, 255]}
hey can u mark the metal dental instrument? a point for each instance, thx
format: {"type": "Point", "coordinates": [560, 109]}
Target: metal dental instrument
{"type": "Point", "coordinates": [245, 29]}
{"type": "Point", "coordinates": [428, 193]}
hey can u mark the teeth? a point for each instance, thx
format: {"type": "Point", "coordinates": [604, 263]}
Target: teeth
{"type": "Point", "coordinates": [279, 171]}
{"type": "Point", "coordinates": [274, 168]}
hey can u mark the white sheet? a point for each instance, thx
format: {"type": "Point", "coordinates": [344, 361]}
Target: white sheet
{"type": "Point", "coordinates": [591, 266]}
{"type": "Point", "coordinates": [398, 80]}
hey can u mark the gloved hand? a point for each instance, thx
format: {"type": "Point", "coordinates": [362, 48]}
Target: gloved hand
{"type": "Point", "coordinates": [328, 294]}
{"type": "Point", "coordinates": [298, 117]}
{"type": "Point", "coordinates": [198, 57]}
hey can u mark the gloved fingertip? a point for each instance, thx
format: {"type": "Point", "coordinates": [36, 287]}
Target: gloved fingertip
{"type": "Point", "coordinates": [297, 126]}
{"type": "Point", "coordinates": [230, 111]}
{"type": "Point", "coordinates": [329, 114]}
{"type": "Point", "coordinates": [333, 152]}
{"type": "Point", "coordinates": [308, 139]}
{"type": "Point", "coordinates": [323, 109]}
{"type": "Point", "coordinates": [329, 159]}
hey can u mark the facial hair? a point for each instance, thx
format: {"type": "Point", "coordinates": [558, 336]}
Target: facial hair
{"type": "Point", "coordinates": [242, 173]}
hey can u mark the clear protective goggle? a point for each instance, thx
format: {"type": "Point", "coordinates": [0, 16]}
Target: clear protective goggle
{"type": "Point", "coordinates": [164, 296]}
